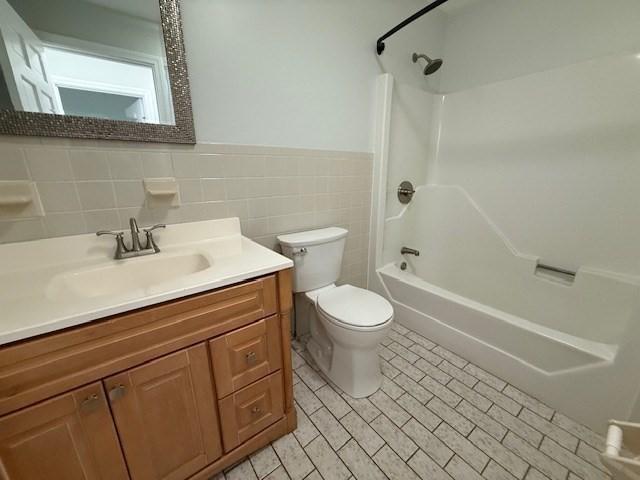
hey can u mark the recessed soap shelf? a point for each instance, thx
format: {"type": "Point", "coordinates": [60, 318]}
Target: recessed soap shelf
{"type": "Point", "coordinates": [19, 199]}
{"type": "Point", "coordinates": [15, 200]}
{"type": "Point", "coordinates": [161, 187]}
{"type": "Point", "coordinates": [162, 192]}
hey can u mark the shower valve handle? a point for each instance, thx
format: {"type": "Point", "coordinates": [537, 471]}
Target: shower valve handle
{"type": "Point", "coordinates": [405, 192]}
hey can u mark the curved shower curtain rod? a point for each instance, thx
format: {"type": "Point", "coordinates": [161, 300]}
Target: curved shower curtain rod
{"type": "Point", "coordinates": [380, 44]}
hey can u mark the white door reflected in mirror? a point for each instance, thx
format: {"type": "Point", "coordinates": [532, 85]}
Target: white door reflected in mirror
{"type": "Point", "coordinates": [100, 59]}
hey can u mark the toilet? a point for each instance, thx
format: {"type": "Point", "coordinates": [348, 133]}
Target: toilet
{"type": "Point", "coordinates": [346, 323]}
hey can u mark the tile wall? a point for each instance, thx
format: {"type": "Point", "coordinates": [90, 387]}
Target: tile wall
{"type": "Point", "coordinates": [89, 186]}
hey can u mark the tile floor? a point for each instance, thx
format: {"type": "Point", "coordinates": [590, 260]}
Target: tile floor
{"type": "Point", "coordinates": [436, 416]}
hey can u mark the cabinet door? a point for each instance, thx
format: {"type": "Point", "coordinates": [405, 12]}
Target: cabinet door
{"type": "Point", "coordinates": [70, 437]}
{"type": "Point", "coordinates": [166, 415]}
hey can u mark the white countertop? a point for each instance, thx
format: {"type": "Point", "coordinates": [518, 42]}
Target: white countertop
{"type": "Point", "coordinates": [41, 287]}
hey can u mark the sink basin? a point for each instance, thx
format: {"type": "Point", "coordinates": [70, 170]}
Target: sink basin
{"type": "Point", "coordinates": [120, 277]}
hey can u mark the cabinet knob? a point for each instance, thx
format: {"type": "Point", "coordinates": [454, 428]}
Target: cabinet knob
{"type": "Point", "coordinates": [256, 410]}
{"type": "Point", "coordinates": [90, 403]}
{"type": "Point", "coordinates": [251, 358]}
{"type": "Point", "coordinates": [117, 392]}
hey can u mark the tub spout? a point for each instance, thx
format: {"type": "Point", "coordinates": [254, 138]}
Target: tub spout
{"type": "Point", "coordinates": [409, 251]}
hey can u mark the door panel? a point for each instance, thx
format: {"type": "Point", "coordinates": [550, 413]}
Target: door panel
{"type": "Point", "coordinates": [70, 437]}
{"type": "Point", "coordinates": [166, 416]}
{"type": "Point", "coordinates": [23, 64]}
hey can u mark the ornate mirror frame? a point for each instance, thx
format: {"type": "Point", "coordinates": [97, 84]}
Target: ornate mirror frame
{"type": "Point", "coordinates": [71, 126]}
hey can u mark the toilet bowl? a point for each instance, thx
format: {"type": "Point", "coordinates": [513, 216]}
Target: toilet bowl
{"type": "Point", "coordinates": [346, 323]}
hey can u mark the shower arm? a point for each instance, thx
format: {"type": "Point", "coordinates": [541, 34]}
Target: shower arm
{"type": "Point", "coordinates": [380, 46]}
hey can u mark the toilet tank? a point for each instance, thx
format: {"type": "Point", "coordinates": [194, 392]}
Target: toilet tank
{"type": "Point", "coordinates": [317, 256]}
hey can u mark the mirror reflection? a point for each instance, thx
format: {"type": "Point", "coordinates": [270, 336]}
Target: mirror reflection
{"type": "Point", "coordinates": [93, 58]}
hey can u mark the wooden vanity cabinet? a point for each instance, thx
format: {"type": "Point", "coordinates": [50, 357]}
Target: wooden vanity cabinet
{"type": "Point", "coordinates": [174, 391]}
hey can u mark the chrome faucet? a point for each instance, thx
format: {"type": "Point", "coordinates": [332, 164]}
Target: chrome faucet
{"type": "Point", "coordinates": [409, 251]}
{"type": "Point", "coordinates": [136, 250]}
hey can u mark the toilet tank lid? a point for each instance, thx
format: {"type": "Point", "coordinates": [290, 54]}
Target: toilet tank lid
{"type": "Point", "coordinates": [312, 237]}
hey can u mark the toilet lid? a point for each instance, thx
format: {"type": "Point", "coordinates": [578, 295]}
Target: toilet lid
{"type": "Point", "coordinates": [355, 306]}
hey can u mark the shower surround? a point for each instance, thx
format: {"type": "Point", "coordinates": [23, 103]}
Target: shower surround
{"type": "Point", "coordinates": [537, 169]}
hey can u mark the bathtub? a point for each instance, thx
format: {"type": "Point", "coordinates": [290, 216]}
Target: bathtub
{"type": "Point", "coordinates": [564, 340]}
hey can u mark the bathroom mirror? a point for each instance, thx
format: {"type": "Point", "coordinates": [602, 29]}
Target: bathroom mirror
{"type": "Point", "coordinates": [101, 69]}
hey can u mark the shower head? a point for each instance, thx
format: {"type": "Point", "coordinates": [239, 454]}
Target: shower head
{"type": "Point", "coordinates": [433, 65]}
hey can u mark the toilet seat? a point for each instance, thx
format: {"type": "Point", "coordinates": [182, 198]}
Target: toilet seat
{"type": "Point", "coordinates": [355, 308]}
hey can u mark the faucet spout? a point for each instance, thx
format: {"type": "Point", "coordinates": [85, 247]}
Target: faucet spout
{"type": "Point", "coordinates": [135, 238]}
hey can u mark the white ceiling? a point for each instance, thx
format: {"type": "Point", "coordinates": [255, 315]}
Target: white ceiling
{"type": "Point", "coordinates": [146, 9]}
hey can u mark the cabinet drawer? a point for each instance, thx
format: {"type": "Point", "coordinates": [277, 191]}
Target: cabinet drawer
{"type": "Point", "coordinates": [36, 369]}
{"type": "Point", "coordinates": [246, 355]}
{"type": "Point", "coordinates": [250, 410]}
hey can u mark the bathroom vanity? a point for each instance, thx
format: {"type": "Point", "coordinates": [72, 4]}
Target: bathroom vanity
{"type": "Point", "coordinates": [176, 380]}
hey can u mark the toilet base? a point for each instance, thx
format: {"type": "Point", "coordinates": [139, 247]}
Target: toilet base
{"type": "Point", "coordinates": [348, 357]}
{"type": "Point", "coordinates": [355, 372]}
{"type": "Point", "coordinates": [319, 355]}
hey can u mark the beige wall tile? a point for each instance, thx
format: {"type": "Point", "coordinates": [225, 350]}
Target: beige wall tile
{"type": "Point", "coordinates": [129, 193]}
{"type": "Point", "coordinates": [157, 164]}
{"type": "Point", "coordinates": [48, 164]}
{"type": "Point", "coordinates": [89, 165]}
{"type": "Point", "coordinates": [125, 165]}
{"type": "Point", "coordinates": [87, 186]}
{"type": "Point", "coordinates": [59, 196]}
{"type": "Point", "coordinates": [102, 220]}
{"type": "Point", "coordinates": [12, 164]}
{"type": "Point", "coordinates": [96, 195]}
{"type": "Point", "coordinates": [213, 189]}
{"type": "Point", "coordinates": [186, 165]}
{"type": "Point", "coordinates": [190, 190]}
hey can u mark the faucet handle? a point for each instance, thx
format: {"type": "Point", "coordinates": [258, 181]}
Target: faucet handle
{"type": "Point", "coordinates": [121, 248]}
{"type": "Point", "coordinates": [155, 227]}
{"type": "Point", "coordinates": [151, 244]}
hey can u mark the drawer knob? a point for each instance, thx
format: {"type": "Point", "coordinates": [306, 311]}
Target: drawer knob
{"type": "Point", "coordinates": [90, 403]}
{"type": "Point", "coordinates": [256, 410]}
{"type": "Point", "coordinates": [251, 358]}
{"type": "Point", "coordinates": [117, 392]}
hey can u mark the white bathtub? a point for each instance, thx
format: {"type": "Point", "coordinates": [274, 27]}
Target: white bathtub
{"type": "Point", "coordinates": [547, 350]}
{"type": "Point", "coordinates": [567, 343]}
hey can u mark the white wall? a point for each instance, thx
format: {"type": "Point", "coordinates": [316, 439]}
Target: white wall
{"type": "Point", "coordinates": [410, 139]}
{"type": "Point", "coordinates": [285, 73]}
{"type": "Point", "coordinates": [298, 73]}
{"type": "Point", "coordinates": [553, 160]}
{"type": "Point", "coordinates": [492, 40]}
{"type": "Point", "coordinates": [541, 127]}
